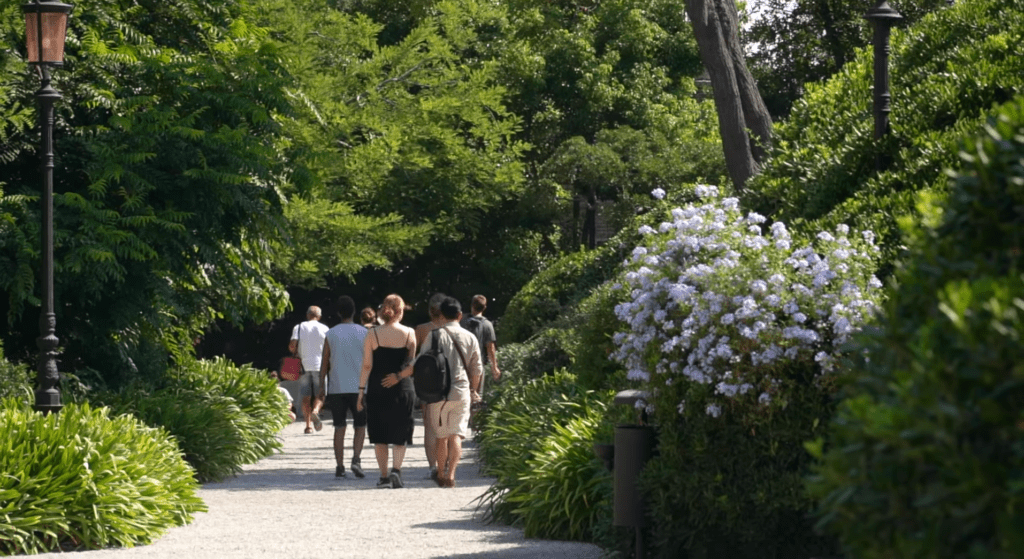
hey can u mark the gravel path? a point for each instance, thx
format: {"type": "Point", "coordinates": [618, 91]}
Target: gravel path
{"type": "Point", "coordinates": [257, 514]}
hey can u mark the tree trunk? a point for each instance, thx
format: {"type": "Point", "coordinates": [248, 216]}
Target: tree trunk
{"type": "Point", "coordinates": [738, 103]}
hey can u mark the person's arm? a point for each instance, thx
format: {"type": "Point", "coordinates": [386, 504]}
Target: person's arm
{"type": "Point", "coordinates": [293, 344]}
{"type": "Point", "coordinates": [493, 358]}
{"type": "Point", "coordinates": [364, 373]}
{"type": "Point", "coordinates": [422, 331]}
{"type": "Point", "coordinates": [406, 371]}
{"type": "Point", "coordinates": [474, 369]}
{"type": "Point", "coordinates": [325, 365]}
{"type": "Point", "coordinates": [411, 344]}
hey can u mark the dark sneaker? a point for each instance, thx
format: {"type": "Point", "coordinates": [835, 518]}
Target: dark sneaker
{"type": "Point", "coordinates": [340, 472]}
{"type": "Point", "coordinates": [396, 479]}
{"type": "Point", "coordinates": [357, 470]}
{"type": "Point", "coordinates": [317, 424]}
{"type": "Point", "coordinates": [384, 482]}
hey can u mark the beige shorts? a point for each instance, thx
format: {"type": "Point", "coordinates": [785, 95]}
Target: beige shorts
{"type": "Point", "coordinates": [450, 418]}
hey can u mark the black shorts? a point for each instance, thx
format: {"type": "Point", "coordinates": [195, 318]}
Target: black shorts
{"type": "Point", "coordinates": [340, 405]}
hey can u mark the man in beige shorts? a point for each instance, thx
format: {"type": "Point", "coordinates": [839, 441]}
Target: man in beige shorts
{"type": "Point", "coordinates": [452, 415]}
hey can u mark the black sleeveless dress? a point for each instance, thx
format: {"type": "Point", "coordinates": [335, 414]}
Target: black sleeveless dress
{"type": "Point", "coordinates": [389, 411]}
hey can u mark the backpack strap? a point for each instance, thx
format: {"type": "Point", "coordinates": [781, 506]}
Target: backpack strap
{"type": "Point", "coordinates": [457, 348]}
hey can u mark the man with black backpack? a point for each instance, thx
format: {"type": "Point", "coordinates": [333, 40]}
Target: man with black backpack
{"type": "Point", "coordinates": [484, 332]}
{"type": "Point", "coordinates": [460, 356]}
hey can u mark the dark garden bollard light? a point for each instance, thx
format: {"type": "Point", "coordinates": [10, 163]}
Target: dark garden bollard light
{"type": "Point", "coordinates": [634, 446]}
{"type": "Point", "coordinates": [882, 17]}
{"type": "Point", "coordinates": [45, 28]}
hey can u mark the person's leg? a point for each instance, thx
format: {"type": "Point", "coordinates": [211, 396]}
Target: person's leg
{"type": "Point", "coordinates": [429, 438]}
{"type": "Point", "coordinates": [454, 454]}
{"type": "Point", "coordinates": [339, 445]}
{"type": "Point", "coordinates": [357, 442]}
{"type": "Point", "coordinates": [398, 456]}
{"type": "Point", "coordinates": [305, 394]}
{"type": "Point", "coordinates": [381, 450]}
{"type": "Point", "coordinates": [307, 412]}
{"type": "Point", "coordinates": [441, 451]}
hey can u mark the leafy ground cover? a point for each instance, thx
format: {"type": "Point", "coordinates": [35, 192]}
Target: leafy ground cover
{"type": "Point", "coordinates": [87, 479]}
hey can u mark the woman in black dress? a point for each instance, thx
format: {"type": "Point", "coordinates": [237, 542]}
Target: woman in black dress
{"type": "Point", "coordinates": [386, 389]}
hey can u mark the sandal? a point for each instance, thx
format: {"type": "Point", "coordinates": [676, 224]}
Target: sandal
{"type": "Point", "coordinates": [307, 431]}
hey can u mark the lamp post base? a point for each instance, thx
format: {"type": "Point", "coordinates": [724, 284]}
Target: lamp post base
{"type": "Point", "coordinates": [48, 401]}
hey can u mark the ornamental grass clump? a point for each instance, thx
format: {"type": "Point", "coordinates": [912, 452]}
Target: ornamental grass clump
{"type": "Point", "coordinates": [84, 479]}
{"type": "Point", "coordinates": [735, 329]}
{"type": "Point", "coordinates": [537, 443]}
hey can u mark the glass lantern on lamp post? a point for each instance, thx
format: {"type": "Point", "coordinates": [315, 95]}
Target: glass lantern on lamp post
{"type": "Point", "coordinates": [45, 28]}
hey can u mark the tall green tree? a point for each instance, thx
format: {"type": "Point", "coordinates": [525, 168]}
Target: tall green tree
{"type": "Point", "coordinates": [176, 161]}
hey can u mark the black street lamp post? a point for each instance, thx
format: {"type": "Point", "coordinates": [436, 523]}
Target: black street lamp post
{"type": "Point", "coordinates": [883, 17]}
{"type": "Point", "coordinates": [45, 28]}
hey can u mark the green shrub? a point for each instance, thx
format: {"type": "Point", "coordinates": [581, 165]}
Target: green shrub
{"type": "Point", "coordinates": [943, 86]}
{"type": "Point", "coordinates": [253, 390]}
{"type": "Point", "coordinates": [558, 287]}
{"type": "Point", "coordinates": [15, 380]}
{"type": "Point", "coordinates": [735, 334]}
{"type": "Point", "coordinates": [541, 354]}
{"type": "Point", "coordinates": [590, 343]}
{"type": "Point", "coordinates": [563, 490]}
{"type": "Point", "coordinates": [223, 415]}
{"type": "Point", "coordinates": [85, 480]}
{"type": "Point", "coordinates": [520, 417]}
{"type": "Point", "coordinates": [211, 430]}
{"type": "Point", "coordinates": [924, 458]}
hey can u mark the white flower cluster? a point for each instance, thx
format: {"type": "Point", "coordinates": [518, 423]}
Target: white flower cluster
{"type": "Point", "coordinates": [716, 301]}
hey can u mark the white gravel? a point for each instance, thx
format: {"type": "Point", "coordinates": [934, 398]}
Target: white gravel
{"type": "Point", "coordinates": [291, 506]}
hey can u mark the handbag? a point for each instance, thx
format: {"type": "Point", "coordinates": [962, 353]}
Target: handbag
{"type": "Point", "coordinates": [291, 367]}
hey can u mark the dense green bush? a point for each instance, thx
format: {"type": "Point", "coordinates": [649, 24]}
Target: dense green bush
{"type": "Point", "coordinates": [563, 490]}
{"type": "Point", "coordinates": [943, 84]}
{"type": "Point", "coordinates": [253, 390]}
{"type": "Point", "coordinates": [223, 415]}
{"type": "Point", "coordinates": [82, 479]}
{"type": "Point", "coordinates": [734, 333]}
{"type": "Point", "coordinates": [554, 290]}
{"type": "Point", "coordinates": [15, 379]}
{"type": "Point", "coordinates": [521, 446]}
{"type": "Point", "coordinates": [211, 430]}
{"type": "Point", "coordinates": [590, 344]}
{"type": "Point", "coordinates": [579, 339]}
{"type": "Point", "coordinates": [924, 458]}
{"type": "Point", "coordinates": [543, 353]}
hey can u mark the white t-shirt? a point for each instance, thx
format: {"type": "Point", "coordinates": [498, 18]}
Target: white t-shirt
{"type": "Point", "coordinates": [346, 343]}
{"type": "Point", "coordinates": [287, 395]}
{"type": "Point", "coordinates": [311, 335]}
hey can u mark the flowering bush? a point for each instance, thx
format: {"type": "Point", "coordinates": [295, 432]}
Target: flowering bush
{"type": "Point", "coordinates": [717, 303]}
{"type": "Point", "coordinates": [733, 326]}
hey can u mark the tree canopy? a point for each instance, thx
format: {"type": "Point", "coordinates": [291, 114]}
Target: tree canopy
{"type": "Point", "coordinates": [213, 156]}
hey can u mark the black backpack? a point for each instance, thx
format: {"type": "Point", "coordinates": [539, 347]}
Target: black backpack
{"type": "Point", "coordinates": [432, 373]}
{"type": "Point", "coordinates": [475, 325]}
